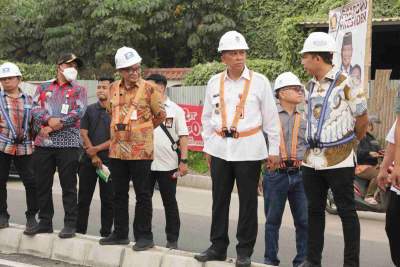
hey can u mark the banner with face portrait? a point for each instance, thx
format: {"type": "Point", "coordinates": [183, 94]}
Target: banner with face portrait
{"type": "Point", "coordinates": [350, 26]}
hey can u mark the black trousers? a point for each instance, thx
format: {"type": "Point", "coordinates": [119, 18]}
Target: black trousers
{"type": "Point", "coordinates": [23, 164]}
{"type": "Point", "coordinates": [316, 185]}
{"type": "Point", "coordinates": [87, 184]}
{"type": "Point", "coordinates": [223, 175]}
{"type": "Point", "coordinates": [123, 171]}
{"type": "Point", "coordinates": [167, 186]}
{"type": "Point", "coordinates": [46, 161]}
{"type": "Point", "coordinates": [393, 227]}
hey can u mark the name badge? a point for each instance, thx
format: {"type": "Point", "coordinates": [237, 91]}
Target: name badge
{"type": "Point", "coordinates": [134, 115]}
{"type": "Point", "coordinates": [64, 109]}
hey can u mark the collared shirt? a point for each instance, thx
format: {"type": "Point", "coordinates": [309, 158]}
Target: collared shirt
{"type": "Point", "coordinates": [346, 70]}
{"type": "Point", "coordinates": [49, 100]}
{"type": "Point", "coordinates": [15, 109]}
{"type": "Point", "coordinates": [260, 110]}
{"type": "Point", "coordinates": [97, 121]}
{"type": "Point", "coordinates": [166, 159]}
{"type": "Point", "coordinates": [136, 143]}
{"type": "Point", "coordinates": [287, 122]}
{"type": "Point", "coordinates": [344, 105]}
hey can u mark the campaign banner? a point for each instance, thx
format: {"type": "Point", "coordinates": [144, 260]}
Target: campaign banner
{"type": "Point", "coordinates": [350, 26]}
{"type": "Point", "coordinates": [193, 121]}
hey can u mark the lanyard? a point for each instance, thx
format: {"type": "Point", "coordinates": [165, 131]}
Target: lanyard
{"type": "Point", "coordinates": [295, 133]}
{"type": "Point", "coordinates": [133, 106]}
{"type": "Point", "coordinates": [27, 112]}
{"type": "Point", "coordinates": [239, 108]}
{"type": "Point", "coordinates": [321, 121]}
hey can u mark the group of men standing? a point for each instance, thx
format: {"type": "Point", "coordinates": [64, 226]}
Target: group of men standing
{"type": "Point", "coordinates": [46, 132]}
{"type": "Point", "coordinates": [304, 154]}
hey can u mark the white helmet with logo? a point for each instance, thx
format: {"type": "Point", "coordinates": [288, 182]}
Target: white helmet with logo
{"type": "Point", "coordinates": [232, 40]}
{"type": "Point", "coordinates": [9, 69]}
{"type": "Point", "coordinates": [319, 42]}
{"type": "Point", "coordinates": [287, 79]}
{"type": "Point", "coordinates": [126, 57]}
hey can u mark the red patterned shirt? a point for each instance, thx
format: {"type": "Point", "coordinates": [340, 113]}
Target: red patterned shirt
{"type": "Point", "coordinates": [14, 106]}
{"type": "Point", "coordinates": [49, 99]}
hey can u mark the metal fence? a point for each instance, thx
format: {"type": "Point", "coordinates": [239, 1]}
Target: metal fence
{"type": "Point", "coordinates": [189, 95]}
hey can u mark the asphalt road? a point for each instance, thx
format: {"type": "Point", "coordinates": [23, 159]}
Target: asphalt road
{"type": "Point", "coordinates": [195, 206]}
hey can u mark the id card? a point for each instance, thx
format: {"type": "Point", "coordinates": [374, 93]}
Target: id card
{"type": "Point", "coordinates": [64, 109]}
{"type": "Point", "coordinates": [134, 115]}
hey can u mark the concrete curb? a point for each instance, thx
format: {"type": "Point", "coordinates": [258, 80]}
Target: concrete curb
{"type": "Point", "coordinates": [85, 250]}
{"type": "Point", "coordinates": [198, 181]}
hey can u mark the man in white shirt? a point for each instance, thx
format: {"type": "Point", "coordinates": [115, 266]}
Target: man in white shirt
{"type": "Point", "coordinates": [336, 118]}
{"type": "Point", "coordinates": [166, 166]}
{"type": "Point", "coordinates": [238, 107]}
{"type": "Point", "coordinates": [393, 209]}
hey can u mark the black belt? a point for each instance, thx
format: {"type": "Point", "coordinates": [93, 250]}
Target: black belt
{"type": "Point", "coordinates": [291, 170]}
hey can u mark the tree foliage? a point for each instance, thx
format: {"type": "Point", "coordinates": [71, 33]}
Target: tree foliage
{"type": "Point", "coordinates": [166, 33]}
{"type": "Point", "coordinates": [201, 73]}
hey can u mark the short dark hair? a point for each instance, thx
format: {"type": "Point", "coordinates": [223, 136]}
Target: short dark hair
{"type": "Point", "coordinates": [106, 78]}
{"type": "Point", "coordinates": [158, 79]}
{"type": "Point", "coordinates": [327, 57]}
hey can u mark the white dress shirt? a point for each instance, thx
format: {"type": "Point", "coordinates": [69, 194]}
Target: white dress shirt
{"type": "Point", "coordinates": [166, 159]}
{"type": "Point", "coordinates": [260, 110]}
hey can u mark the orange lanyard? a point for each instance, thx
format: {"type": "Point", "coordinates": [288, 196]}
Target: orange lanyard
{"type": "Point", "coordinates": [295, 133]}
{"type": "Point", "coordinates": [133, 106]}
{"type": "Point", "coordinates": [239, 108]}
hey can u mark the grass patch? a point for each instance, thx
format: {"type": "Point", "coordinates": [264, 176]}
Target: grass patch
{"type": "Point", "coordinates": [197, 162]}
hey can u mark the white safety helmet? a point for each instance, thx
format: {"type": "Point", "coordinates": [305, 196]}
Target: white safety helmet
{"type": "Point", "coordinates": [9, 69]}
{"type": "Point", "coordinates": [126, 57]}
{"type": "Point", "coordinates": [232, 40]}
{"type": "Point", "coordinates": [286, 79]}
{"type": "Point", "coordinates": [319, 42]}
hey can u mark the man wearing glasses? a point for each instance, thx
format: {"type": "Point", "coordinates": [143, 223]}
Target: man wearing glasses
{"type": "Point", "coordinates": [136, 109]}
{"type": "Point", "coordinates": [285, 183]}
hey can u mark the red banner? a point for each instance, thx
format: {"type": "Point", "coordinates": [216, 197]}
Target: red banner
{"type": "Point", "coordinates": [193, 121]}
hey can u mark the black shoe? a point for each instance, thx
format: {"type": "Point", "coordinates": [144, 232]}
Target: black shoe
{"type": "Point", "coordinates": [104, 234]}
{"type": "Point", "coordinates": [172, 245]}
{"type": "Point", "coordinates": [31, 225]}
{"type": "Point", "coordinates": [113, 239]}
{"type": "Point", "coordinates": [243, 261]}
{"type": "Point", "coordinates": [81, 232]}
{"type": "Point", "coordinates": [210, 255]}
{"type": "Point", "coordinates": [143, 244]}
{"type": "Point", "coordinates": [4, 222]}
{"type": "Point", "coordinates": [67, 232]}
{"type": "Point", "coordinates": [40, 229]}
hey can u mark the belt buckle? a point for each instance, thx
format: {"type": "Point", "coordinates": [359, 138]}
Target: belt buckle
{"type": "Point", "coordinates": [121, 127]}
{"type": "Point", "coordinates": [292, 171]}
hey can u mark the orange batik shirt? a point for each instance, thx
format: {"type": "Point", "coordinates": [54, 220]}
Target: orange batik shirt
{"type": "Point", "coordinates": [135, 113]}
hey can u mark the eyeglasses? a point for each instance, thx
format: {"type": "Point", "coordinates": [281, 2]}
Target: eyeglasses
{"type": "Point", "coordinates": [7, 78]}
{"type": "Point", "coordinates": [132, 69]}
{"type": "Point", "coordinates": [297, 89]}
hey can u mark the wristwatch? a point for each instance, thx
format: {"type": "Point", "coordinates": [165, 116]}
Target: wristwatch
{"type": "Point", "coordinates": [185, 161]}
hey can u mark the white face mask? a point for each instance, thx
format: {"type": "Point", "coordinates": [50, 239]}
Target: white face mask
{"type": "Point", "coordinates": [70, 74]}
